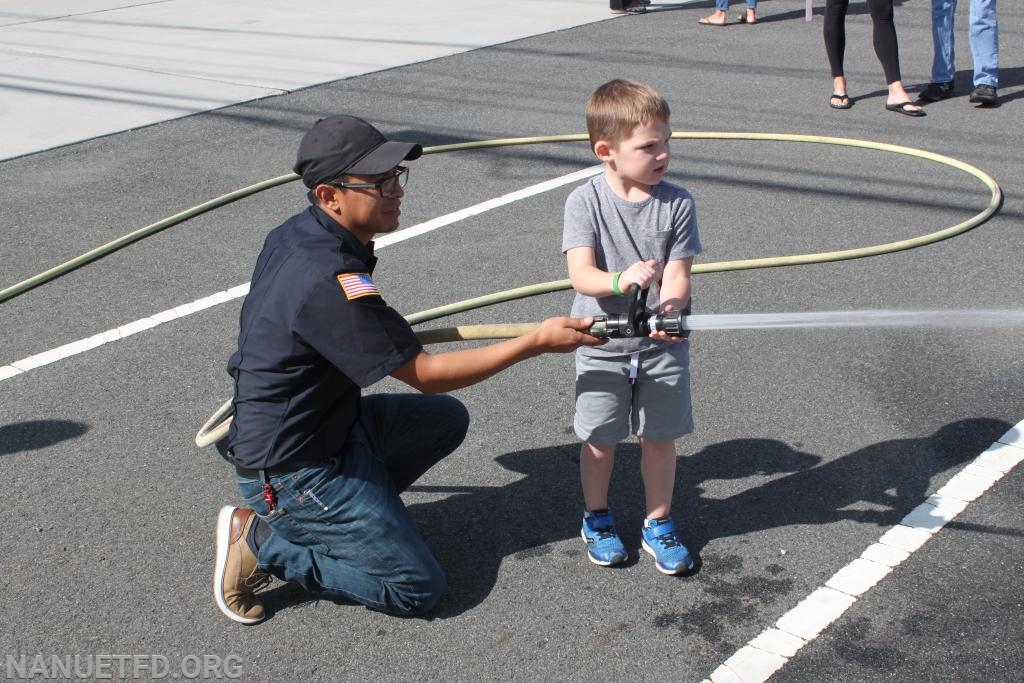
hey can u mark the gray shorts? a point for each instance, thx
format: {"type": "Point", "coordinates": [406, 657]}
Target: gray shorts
{"type": "Point", "coordinates": [657, 406]}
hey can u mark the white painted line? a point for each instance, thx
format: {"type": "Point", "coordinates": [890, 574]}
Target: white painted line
{"type": "Point", "coordinates": [965, 486]}
{"type": "Point", "coordinates": [74, 348]}
{"type": "Point", "coordinates": [858, 577]}
{"type": "Point", "coordinates": [750, 664]}
{"type": "Point", "coordinates": [441, 221]}
{"type": "Point", "coordinates": [765, 654]}
{"type": "Point", "coordinates": [929, 517]}
{"type": "Point", "coordinates": [1014, 437]}
{"type": "Point", "coordinates": [1000, 457]}
{"type": "Point", "coordinates": [778, 642]}
{"type": "Point", "coordinates": [905, 538]}
{"type": "Point", "coordinates": [36, 361]}
{"type": "Point", "coordinates": [815, 612]}
{"type": "Point", "coordinates": [884, 554]}
{"type": "Point", "coordinates": [9, 371]}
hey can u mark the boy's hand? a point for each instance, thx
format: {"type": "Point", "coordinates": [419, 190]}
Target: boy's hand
{"type": "Point", "coordinates": [655, 334]}
{"type": "Point", "coordinates": [562, 334]}
{"type": "Point", "coordinates": [641, 273]}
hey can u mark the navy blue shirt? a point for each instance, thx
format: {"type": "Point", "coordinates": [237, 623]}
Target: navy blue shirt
{"type": "Point", "coordinates": [314, 330]}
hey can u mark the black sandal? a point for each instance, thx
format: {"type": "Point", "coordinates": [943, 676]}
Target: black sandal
{"type": "Point", "coordinates": [901, 108]}
{"type": "Point", "coordinates": [845, 102]}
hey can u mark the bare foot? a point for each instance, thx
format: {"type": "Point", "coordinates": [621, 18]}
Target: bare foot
{"type": "Point", "coordinates": [716, 18]}
{"type": "Point", "coordinates": [897, 95]}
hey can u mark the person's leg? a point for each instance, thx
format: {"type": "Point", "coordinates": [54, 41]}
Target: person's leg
{"type": "Point", "coordinates": [342, 530]}
{"type": "Point", "coordinates": [660, 538]}
{"type": "Point", "coordinates": [658, 469]}
{"type": "Point", "coordinates": [984, 36]}
{"type": "Point", "coordinates": [603, 397]}
{"type": "Point", "coordinates": [602, 420]}
{"type": "Point", "coordinates": [663, 412]}
{"type": "Point", "coordinates": [884, 39]}
{"type": "Point", "coordinates": [888, 52]}
{"type": "Point", "coordinates": [719, 17]}
{"type": "Point", "coordinates": [943, 41]}
{"type": "Point", "coordinates": [596, 465]}
{"type": "Point", "coordinates": [834, 32]}
{"type": "Point", "coordinates": [750, 14]}
{"type": "Point", "coordinates": [604, 547]}
{"type": "Point", "coordinates": [410, 433]}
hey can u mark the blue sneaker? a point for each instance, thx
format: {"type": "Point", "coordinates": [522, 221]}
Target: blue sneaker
{"type": "Point", "coordinates": [603, 544]}
{"type": "Point", "coordinates": [660, 540]}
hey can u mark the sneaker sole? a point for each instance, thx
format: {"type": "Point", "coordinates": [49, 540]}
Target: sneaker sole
{"type": "Point", "coordinates": [667, 572]}
{"type": "Point", "coordinates": [599, 563]}
{"type": "Point", "coordinates": [221, 564]}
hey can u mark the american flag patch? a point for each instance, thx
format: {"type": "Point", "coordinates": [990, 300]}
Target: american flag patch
{"type": "Point", "coordinates": [357, 285]}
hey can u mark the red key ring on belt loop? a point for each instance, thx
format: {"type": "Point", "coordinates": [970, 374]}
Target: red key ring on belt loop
{"type": "Point", "coordinates": [269, 495]}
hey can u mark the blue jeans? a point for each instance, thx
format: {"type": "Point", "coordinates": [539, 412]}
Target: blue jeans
{"type": "Point", "coordinates": [723, 5]}
{"type": "Point", "coordinates": [341, 530]}
{"type": "Point", "coordinates": [984, 37]}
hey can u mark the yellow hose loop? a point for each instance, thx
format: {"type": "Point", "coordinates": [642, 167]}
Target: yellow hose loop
{"type": "Point", "coordinates": [994, 204]}
{"type": "Point", "coordinates": [109, 247]}
{"type": "Point", "coordinates": [216, 428]}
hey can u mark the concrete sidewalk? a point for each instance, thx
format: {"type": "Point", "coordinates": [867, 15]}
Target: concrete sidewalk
{"type": "Point", "coordinates": [77, 69]}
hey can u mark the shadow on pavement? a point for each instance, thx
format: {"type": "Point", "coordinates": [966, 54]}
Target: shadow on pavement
{"type": "Point", "coordinates": [475, 529]}
{"type": "Point", "coordinates": [36, 434]}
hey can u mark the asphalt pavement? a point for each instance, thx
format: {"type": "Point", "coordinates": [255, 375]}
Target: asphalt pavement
{"type": "Point", "coordinates": [811, 445]}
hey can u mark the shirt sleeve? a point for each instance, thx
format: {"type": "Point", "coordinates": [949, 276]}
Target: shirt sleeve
{"type": "Point", "coordinates": [686, 242]}
{"type": "Point", "coordinates": [579, 227]}
{"type": "Point", "coordinates": [355, 329]}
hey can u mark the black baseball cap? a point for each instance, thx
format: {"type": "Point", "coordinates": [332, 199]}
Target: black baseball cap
{"type": "Point", "coordinates": [340, 145]}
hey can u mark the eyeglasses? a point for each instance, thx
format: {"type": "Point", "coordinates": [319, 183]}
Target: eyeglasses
{"type": "Point", "coordinates": [386, 186]}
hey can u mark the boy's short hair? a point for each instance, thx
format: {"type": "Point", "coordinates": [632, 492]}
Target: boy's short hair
{"type": "Point", "coordinates": [619, 106]}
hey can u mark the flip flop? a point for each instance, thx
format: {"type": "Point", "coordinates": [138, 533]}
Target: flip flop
{"type": "Point", "coordinates": [742, 19]}
{"type": "Point", "coordinates": [703, 21]}
{"type": "Point", "coordinates": [901, 108]}
{"type": "Point", "coordinates": [837, 96]}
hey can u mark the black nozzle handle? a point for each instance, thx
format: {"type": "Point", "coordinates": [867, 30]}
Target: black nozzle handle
{"type": "Point", "coordinates": [637, 300]}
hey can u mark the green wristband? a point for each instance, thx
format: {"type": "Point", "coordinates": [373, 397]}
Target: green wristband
{"type": "Point", "coordinates": [615, 283]}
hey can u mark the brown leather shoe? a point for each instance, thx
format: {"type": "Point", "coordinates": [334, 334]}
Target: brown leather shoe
{"type": "Point", "coordinates": [236, 574]}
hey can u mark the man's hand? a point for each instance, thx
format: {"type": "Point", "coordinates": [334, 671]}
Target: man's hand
{"type": "Point", "coordinates": [640, 273]}
{"type": "Point", "coordinates": [562, 334]}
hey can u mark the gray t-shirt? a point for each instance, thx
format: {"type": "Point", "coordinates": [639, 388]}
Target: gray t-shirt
{"type": "Point", "coordinates": [621, 232]}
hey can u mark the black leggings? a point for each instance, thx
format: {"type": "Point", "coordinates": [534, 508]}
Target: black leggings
{"type": "Point", "coordinates": [886, 47]}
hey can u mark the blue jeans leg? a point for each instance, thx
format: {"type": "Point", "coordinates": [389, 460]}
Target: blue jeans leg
{"type": "Point", "coordinates": [340, 529]}
{"type": "Point", "coordinates": [984, 34]}
{"type": "Point", "coordinates": [944, 62]}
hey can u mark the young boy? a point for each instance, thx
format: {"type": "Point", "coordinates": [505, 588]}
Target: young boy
{"type": "Point", "coordinates": [628, 227]}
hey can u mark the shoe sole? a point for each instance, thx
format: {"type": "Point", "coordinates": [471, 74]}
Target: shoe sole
{"type": "Point", "coordinates": [221, 564]}
{"type": "Point", "coordinates": [667, 572]}
{"type": "Point", "coordinates": [599, 563]}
